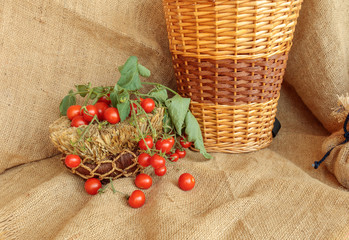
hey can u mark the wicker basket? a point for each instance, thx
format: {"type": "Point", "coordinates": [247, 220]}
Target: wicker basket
{"type": "Point", "coordinates": [229, 58]}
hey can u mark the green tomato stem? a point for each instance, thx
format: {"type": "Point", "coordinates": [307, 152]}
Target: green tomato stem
{"type": "Point", "coordinates": [158, 84]}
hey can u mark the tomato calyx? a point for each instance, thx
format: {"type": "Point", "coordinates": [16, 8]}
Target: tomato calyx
{"type": "Point", "coordinates": [184, 142]}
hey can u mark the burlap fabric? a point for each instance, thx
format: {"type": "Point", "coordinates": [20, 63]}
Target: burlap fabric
{"type": "Point", "coordinates": [338, 161]}
{"type": "Point", "coordinates": [318, 64]}
{"type": "Point", "coordinates": [48, 46]}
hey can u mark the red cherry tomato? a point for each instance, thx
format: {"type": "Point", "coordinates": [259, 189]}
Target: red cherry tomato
{"type": "Point", "coordinates": [184, 143]}
{"type": "Point", "coordinates": [92, 185]}
{"type": "Point", "coordinates": [78, 121]}
{"type": "Point", "coordinates": [180, 153]}
{"type": "Point", "coordinates": [105, 99]}
{"type": "Point", "coordinates": [157, 161]}
{"type": "Point", "coordinates": [137, 199]}
{"type": "Point", "coordinates": [143, 181]}
{"type": "Point", "coordinates": [148, 141]}
{"type": "Point", "coordinates": [112, 115]}
{"type": "Point", "coordinates": [160, 171]}
{"type": "Point", "coordinates": [171, 140]}
{"type": "Point", "coordinates": [133, 106]}
{"type": "Point", "coordinates": [144, 159]}
{"type": "Point", "coordinates": [148, 105]}
{"type": "Point", "coordinates": [163, 145]}
{"type": "Point", "coordinates": [101, 107]}
{"type": "Point", "coordinates": [186, 182]}
{"type": "Point", "coordinates": [90, 113]}
{"type": "Point", "coordinates": [73, 111]}
{"type": "Point", "coordinates": [174, 157]}
{"type": "Point", "coordinates": [72, 161]}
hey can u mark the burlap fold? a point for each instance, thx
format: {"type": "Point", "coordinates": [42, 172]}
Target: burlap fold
{"type": "Point", "coordinates": [338, 161]}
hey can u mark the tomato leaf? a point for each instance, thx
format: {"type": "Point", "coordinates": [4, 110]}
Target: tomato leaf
{"type": "Point", "coordinates": [93, 95]}
{"type": "Point", "coordinates": [82, 89]}
{"type": "Point", "coordinates": [177, 109]}
{"type": "Point", "coordinates": [98, 90]}
{"type": "Point", "coordinates": [124, 109]}
{"type": "Point", "coordinates": [166, 122]}
{"type": "Point", "coordinates": [129, 75]}
{"type": "Point", "coordinates": [143, 71]}
{"type": "Point", "coordinates": [159, 94]}
{"type": "Point", "coordinates": [66, 102]}
{"type": "Point", "coordinates": [123, 96]}
{"type": "Point", "coordinates": [193, 132]}
{"type": "Point", "coordinates": [114, 95]}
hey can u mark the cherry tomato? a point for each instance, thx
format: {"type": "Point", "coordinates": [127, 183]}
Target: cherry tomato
{"type": "Point", "coordinates": [174, 157]}
{"type": "Point", "coordinates": [180, 153]}
{"type": "Point", "coordinates": [92, 185]}
{"type": "Point", "coordinates": [101, 107]}
{"type": "Point", "coordinates": [137, 199]}
{"type": "Point", "coordinates": [133, 106]}
{"type": "Point", "coordinates": [90, 113]}
{"type": "Point", "coordinates": [171, 140]}
{"type": "Point", "coordinates": [184, 143]}
{"type": "Point", "coordinates": [72, 161]}
{"type": "Point", "coordinates": [112, 115]}
{"type": "Point", "coordinates": [160, 171]}
{"type": "Point", "coordinates": [78, 121]}
{"type": "Point", "coordinates": [148, 141]}
{"type": "Point", "coordinates": [186, 182]}
{"type": "Point", "coordinates": [143, 181]}
{"type": "Point", "coordinates": [157, 161]}
{"type": "Point", "coordinates": [105, 99]}
{"type": "Point", "coordinates": [148, 105]}
{"type": "Point", "coordinates": [73, 111]}
{"type": "Point", "coordinates": [144, 159]}
{"type": "Point", "coordinates": [163, 145]}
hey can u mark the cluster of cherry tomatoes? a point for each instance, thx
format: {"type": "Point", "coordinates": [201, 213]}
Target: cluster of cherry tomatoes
{"type": "Point", "coordinates": [83, 115]}
{"type": "Point", "coordinates": [164, 147]}
{"type": "Point", "coordinates": [186, 182]}
{"type": "Point", "coordinates": [153, 155]}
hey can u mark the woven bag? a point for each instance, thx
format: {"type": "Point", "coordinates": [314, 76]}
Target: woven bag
{"type": "Point", "coordinates": [107, 151]}
{"type": "Point", "coordinates": [229, 58]}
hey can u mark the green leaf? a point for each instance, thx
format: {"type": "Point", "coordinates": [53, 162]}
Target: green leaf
{"type": "Point", "coordinates": [177, 109]}
{"type": "Point", "coordinates": [143, 71]}
{"type": "Point", "coordinates": [123, 96]}
{"type": "Point", "coordinates": [166, 122]}
{"type": "Point", "coordinates": [129, 75]}
{"type": "Point", "coordinates": [66, 102]}
{"type": "Point", "coordinates": [124, 110]}
{"type": "Point", "coordinates": [83, 89]}
{"type": "Point", "coordinates": [98, 90]}
{"type": "Point", "coordinates": [159, 94]}
{"type": "Point", "coordinates": [193, 132]}
{"type": "Point", "coordinates": [93, 95]}
{"type": "Point", "coordinates": [114, 95]}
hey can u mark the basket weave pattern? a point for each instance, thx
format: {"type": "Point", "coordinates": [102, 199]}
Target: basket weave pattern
{"type": "Point", "coordinates": [230, 82]}
{"type": "Point", "coordinates": [229, 58]}
{"type": "Point", "coordinates": [242, 29]}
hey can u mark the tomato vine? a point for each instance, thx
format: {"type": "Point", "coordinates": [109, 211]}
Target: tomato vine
{"type": "Point", "coordinates": [177, 118]}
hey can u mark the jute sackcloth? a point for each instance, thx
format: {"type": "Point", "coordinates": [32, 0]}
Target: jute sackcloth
{"type": "Point", "coordinates": [270, 194]}
{"type": "Point", "coordinates": [48, 46]}
{"type": "Point", "coordinates": [318, 64]}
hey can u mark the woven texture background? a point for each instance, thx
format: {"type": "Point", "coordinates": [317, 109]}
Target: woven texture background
{"type": "Point", "coordinates": [47, 46]}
